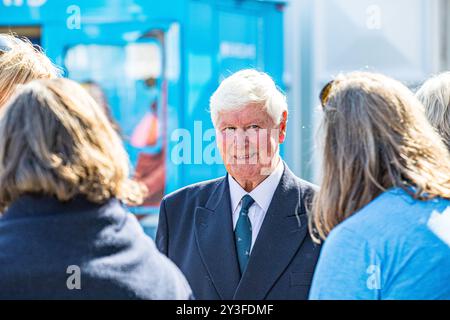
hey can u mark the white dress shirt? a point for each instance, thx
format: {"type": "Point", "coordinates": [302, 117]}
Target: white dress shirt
{"type": "Point", "coordinates": [262, 195]}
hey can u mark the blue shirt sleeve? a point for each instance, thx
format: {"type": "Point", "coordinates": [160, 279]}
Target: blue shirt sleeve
{"type": "Point", "coordinates": [348, 269]}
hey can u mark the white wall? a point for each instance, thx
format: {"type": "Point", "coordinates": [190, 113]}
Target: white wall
{"type": "Point", "coordinates": [405, 39]}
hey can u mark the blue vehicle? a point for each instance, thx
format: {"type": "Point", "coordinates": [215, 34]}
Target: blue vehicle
{"type": "Point", "coordinates": [153, 66]}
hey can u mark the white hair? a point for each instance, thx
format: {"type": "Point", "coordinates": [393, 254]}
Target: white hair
{"type": "Point", "coordinates": [435, 96]}
{"type": "Point", "coordinates": [246, 87]}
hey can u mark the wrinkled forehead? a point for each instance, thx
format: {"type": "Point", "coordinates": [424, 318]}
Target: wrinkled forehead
{"type": "Point", "coordinates": [250, 114]}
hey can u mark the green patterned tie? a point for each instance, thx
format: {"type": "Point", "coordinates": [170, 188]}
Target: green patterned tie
{"type": "Point", "coordinates": [243, 233]}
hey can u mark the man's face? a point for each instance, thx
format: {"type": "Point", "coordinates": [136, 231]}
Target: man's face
{"type": "Point", "coordinates": [248, 140]}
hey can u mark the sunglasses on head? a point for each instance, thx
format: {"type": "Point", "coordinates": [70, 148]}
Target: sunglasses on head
{"type": "Point", "coordinates": [5, 45]}
{"type": "Point", "coordinates": [325, 93]}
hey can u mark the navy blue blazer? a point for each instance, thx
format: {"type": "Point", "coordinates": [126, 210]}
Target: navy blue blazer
{"type": "Point", "coordinates": [40, 238]}
{"type": "Point", "coordinates": [195, 231]}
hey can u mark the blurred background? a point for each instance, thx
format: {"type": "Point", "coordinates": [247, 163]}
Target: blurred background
{"type": "Point", "coordinates": [152, 65]}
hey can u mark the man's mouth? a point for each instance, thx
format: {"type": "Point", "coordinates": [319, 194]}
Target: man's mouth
{"type": "Point", "coordinates": [245, 156]}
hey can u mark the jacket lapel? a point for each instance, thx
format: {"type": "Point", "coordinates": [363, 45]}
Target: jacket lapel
{"type": "Point", "coordinates": [215, 240]}
{"type": "Point", "coordinates": [281, 235]}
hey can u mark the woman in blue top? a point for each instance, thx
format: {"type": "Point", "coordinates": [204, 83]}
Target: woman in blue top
{"type": "Point", "coordinates": [383, 206]}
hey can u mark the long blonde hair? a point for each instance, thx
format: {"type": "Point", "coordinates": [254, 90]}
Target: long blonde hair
{"type": "Point", "coordinates": [56, 140]}
{"type": "Point", "coordinates": [376, 136]}
{"type": "Point", "coordinates": [22, 63]}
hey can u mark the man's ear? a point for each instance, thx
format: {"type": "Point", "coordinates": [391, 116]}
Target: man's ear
{"type": "Point", "coordinates": [283, 123]}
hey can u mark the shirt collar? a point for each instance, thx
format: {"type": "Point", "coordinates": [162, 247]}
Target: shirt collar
{"type": "Point", "coordinates": [262, 194]}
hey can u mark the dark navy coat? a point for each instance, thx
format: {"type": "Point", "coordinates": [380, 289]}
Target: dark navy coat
{"type": "Point", "coordinates": [195, 231]}
{"type": "Point", "coordinates": [42, 240]}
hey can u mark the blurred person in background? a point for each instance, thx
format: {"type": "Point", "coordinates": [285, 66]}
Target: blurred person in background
{"type": "Point", "coordinates": [97, 93]}
{"type": "Point", "coordinates": [384, 204]}
{"type": "Point", "coordinates": [21, 62]}
{"type": "Point", "coordinates": [245, 235]}
{"type": "Point", "coordinates": [435, 96]}
{"type": "Point", "coordinates": [63, 179]}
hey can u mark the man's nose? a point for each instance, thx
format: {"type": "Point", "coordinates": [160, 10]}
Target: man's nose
{"type": "Point", "coordinates": [240, 137]}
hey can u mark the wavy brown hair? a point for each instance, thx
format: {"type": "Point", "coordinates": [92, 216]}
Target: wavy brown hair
{"type": "Point", "coordinates": [56, 140]}
{"type": "Point", "coordinates": [376, 136]}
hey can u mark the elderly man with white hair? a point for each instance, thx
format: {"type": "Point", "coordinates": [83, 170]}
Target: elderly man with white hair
{"type": "Point", "coordinates": [245, 235]}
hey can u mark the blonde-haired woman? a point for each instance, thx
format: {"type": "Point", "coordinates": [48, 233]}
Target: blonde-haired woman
{"type": "Point", "coordinates": [435, 96]}
{"type": "Point", "coordinates": [63, 179]}
{"type": "Point", "coordinates": [383, 206]}
{"type": "Point", "coordinates": [20, 63]}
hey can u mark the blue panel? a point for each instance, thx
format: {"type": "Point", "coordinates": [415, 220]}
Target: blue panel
{"type": "Point", "coordinates": [205, 40]}
{"type": "Point", "coordinates": [92, 11]}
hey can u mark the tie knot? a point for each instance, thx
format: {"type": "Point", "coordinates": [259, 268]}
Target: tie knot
{"type": "Point", "coordinates": [247, 202]}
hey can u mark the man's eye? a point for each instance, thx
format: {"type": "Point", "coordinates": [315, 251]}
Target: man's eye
{"type": "Point", "coordinates": [254, 127]}
{"type": "Point", "coordinates": [229, 129]}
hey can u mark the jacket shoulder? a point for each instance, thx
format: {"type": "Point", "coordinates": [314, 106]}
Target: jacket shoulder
{"type": "Point", "coordinates": [200, 190]}
{"type": "Point", "coordinates": [307, 191]}
{"type": "Point", "coordinates": [307, 186]}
